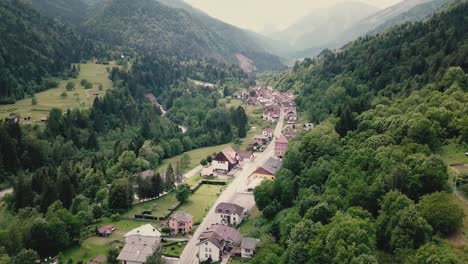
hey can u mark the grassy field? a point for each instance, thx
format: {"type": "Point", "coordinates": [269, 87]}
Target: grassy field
{"type": "Point", "coordinates": [453, 154]}
{"type": "Point", "coordinates": [159, 207]}
{"type": "Point", "coordinates": [95, 246]}
{"type": "Point", "coordinates": [200, 202]}
{"type": "Point", "coordinates": [79, 98]}
{"type": "Point", "coordinates": [196, 156]}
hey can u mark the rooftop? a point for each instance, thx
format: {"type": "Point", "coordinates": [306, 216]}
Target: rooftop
{"type": "Point", "coordinates": [249, 243]}
{"type": "Point", "coordinates": [272, 165]}
{"type": "Point", "coordinates": [180, 216]}
{"type": "Point", "coordinates": [228, 208]}
{"type": "Point", "coordinates": [221, 232]}
{"type": "Point", "coordinates": [145, 230]}
{"type": "Point", "coordinates": [282, 139]}
{"type": "Point", "coordinates": [138, 248]}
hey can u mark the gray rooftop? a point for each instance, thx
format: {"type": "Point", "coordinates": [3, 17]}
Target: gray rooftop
{"type": "Point", "coordinates": [229, 208]}
{"type": "Point", "coordinates": [182, 217]}
{"type": "Point", "coordinates": [272, 165]}
{"type": "Point", "coordinates": [249, 243]}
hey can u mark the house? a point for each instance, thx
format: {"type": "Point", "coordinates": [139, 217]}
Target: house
{"type": "Point", "coordinates": [145, 231]}
{"type": "Point", "coordinates": [259, 140]}
{"type": "Point", "coordinates": [281, 145]}
{"type": "Point", "coordinates": [137, 249]}
{"type": "Point", "coordinates": [268, 133]}
{"type": "Point", "coordinates": [139, 244]}
{"type": "Point", "coordinates": [106, 230]}
{"type": "Point", "coordinates": [180, 222]}
{"type": "Point", "coordinates": [216, 240]}
{"type": "Point", "coordinates": [44, 118]}
{"type": "Point", "coordinates": [229, 214]}
{"type": "Point", "coordinates": [268, 169]}
{"type": "Point", "coordinates": [207, 172]}
{"type": "Point", "coordinates": [308, 126]}
{"type": "Point", "coordinates": [246, 156]}
{"type": "Point", "coordinates": [225, 160]}
{"type": "Point", "coordinates": [248, 247]}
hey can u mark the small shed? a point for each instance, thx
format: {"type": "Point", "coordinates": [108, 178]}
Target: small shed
{"type": "Point", "coordinates": [106, 230]}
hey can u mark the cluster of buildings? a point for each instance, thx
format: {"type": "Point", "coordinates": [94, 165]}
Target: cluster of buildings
{"type": "Point", "coordinates": [223, 238]}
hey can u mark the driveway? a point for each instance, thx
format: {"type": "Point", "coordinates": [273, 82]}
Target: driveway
{"type": "Point", "coordinates": [234, 193]}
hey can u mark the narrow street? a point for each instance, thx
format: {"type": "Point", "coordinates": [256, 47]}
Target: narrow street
{"type": "Point", "coordinates": [234, 193]}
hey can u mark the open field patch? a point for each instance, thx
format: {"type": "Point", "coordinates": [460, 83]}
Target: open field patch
{"type": "Point", "coordinates": [200, 202]}
{"type": "Point", "coordinates": [80, 98]}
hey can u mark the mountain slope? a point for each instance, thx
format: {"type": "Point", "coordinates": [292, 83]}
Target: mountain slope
{"type": "Point", "coordinates": [72, 11]}
{"type": "Point", "coordinates": [325, 25]}
{"type": "Point", "coordinates": [32, 48]}
{"type": "Point", "coordinates": [417, 13]}
{"type": "Point", "coordinates": [364, 26]}
{"type": "Point", "coordinates": [391, 64]}
{"type": "Point", "coordinates": [148, 26]}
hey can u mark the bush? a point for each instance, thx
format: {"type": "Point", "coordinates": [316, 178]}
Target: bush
{"type": "Point", "coordinates": [116, 217]}
{"type": "Point", "coordinates": [64, 94]}
{"type": "Point", "coordinates": [442, 212]}
{"type": "Point", "coordinates": [70, 86]}
{"type": "Point", "coordinates": [34, 101]}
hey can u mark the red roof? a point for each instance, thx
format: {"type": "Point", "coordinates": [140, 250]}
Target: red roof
{"type": "Point", "coordinates": [106, 228]}
{"type": "Point", "coordinates": [282, 139]}
{"type": "Point", "coordinates": [269, 129]}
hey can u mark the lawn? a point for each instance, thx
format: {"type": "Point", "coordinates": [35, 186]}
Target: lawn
{"type": "Point", "coordinates": [196, 156]}
{"type": "Point", "coordinates": [173, 249]}
{"type": "Point", "coordinates": [159, 207]}
{"type": "Point", "coordinates": [94, 246]}
{"type": "Point", "coordinates": [453, 153]}
{"type": "Point", "coordinates": [200, 202]}
{"type": "Point", "coordinates": [248, 226]}
{"type": "Point", "coordinates": [79, 98]}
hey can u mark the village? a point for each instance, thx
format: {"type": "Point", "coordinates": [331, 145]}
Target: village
{"type": "Point", "coordinates": [217, 238]}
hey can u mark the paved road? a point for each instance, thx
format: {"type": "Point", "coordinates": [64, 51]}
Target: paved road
{"type": "Point", "coordinates": [5, 192]}
{"type": "Point", "coordinates": [234, 193]}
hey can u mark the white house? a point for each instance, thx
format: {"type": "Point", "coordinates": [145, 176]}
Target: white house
{"type": "Point", "coordinates": [268, 133]}
{"type": "Point", "coordinates": [216, 240]}
{"type": "Point", "coordinates": [145, 231]}
{"type": "Point", "coordinates": [225, 160]}
{"type": "Point", "coordinates": [229, 214]}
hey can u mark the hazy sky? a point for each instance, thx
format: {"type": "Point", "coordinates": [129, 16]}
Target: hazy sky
{"type": "Point", "coordinates": [256, 14]}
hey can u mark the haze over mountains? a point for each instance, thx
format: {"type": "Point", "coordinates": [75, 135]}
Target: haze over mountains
{"type": "Point", "coordinates": [335, 26]}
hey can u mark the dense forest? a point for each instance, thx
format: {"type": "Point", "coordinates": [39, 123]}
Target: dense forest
{"type": "Point", "coordinates": [365, 186]}
{"type": "Point", "coordinates": [34, 48]}
{"type": "Point", "coordinates": [61, 171]}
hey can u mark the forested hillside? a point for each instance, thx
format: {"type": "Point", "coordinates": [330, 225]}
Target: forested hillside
{"type": "Point", "coordinates": [61, 171]}
{"type": "Point", "coordinates": [366, 186]}
{"type": "Point", "coordinates": [149, 26]}
{"type": "Point", "coordinates": [34, 48]}
{"type": "Point", "coordinates": [392, 64]}
{"type": "Point", "coordinates": [72, 11]}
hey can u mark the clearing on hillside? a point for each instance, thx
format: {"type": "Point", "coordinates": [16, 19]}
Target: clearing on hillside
{"type": "Point", "coordinates": [80, 98]}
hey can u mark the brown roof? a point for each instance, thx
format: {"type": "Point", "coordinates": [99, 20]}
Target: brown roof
{"type": "Point", "coordinates": [226, 233]}
{"type": "Point", "coordinates": [230, 154]}
{"type": "Point", "coordinates": [182, 217]}
{"type": "Point", "coordinates": [215, 239]}
{"type": "Point", "coordinates": [229, 208]}
{"type": "Point", "coordinates": [282, 139]}
{"type": "Point", "coordinates": [245, 154]}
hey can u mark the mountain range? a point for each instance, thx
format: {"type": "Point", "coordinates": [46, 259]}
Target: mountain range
{"type": "Point", "coordinates": [333, 27]}
{"type": "Point", "coordinates": [168, 27]}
